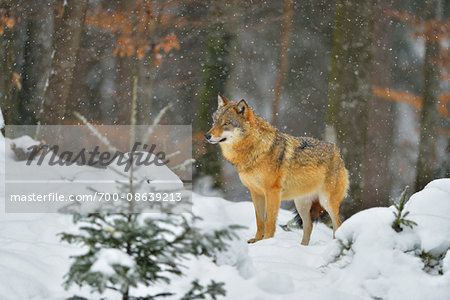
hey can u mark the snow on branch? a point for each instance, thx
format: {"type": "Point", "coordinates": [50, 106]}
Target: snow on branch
{"type": "Point", "coordinates": [104, 140]}
{"type": "Point", "coordinates": [158, 118]}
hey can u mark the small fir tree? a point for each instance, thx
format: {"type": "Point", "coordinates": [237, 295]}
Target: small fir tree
{"type": "Point", "coordinates": [133, 248]}
{"type": "Point", "coordinates": [143, 249]}
{"type": "Point", "coordinates": [400, 215]}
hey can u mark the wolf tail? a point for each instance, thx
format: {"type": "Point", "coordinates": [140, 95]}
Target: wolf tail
{"type": "Point", "coordinates": [316, 211]}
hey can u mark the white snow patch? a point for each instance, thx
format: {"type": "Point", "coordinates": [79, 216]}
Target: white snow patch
{"type": "Point", "coordinates": [275, 283]}
{"type": "Point", "coordinates": [379, 262]}
{"type": "Point", "coordinates": [430, 209]}
{"type": "Point", "coordinates": [107, 258]}
{"type": "Point", "coordinates": [374, 261]}
{"type": "Point", "coordinates": [2, 121]}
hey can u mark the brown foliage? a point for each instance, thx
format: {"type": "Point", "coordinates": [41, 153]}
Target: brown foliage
{"type": "Point", "coordinates": [444, 103]}
{"type": "Point", "coordinates": [7, 21]}
{"type": "Point", "coordinates": [433, 30]}
{"type": "Point", "coordinates": [399, 96]}
{"type": "Point", "coordinates": [168, 43]}
{"type": "Point", "coordinates": [414, 100]}
{"type": "Point", "coordinates": [133, 29]}
{"type": "Point", "coordinates": [16, 81]}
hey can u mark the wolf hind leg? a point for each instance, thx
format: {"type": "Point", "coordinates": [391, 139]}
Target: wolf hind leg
{"type": "Point", "coordinates": [303, 206]}
{"type": "Point", "coordinates": [329, 204]}
{"type": "Point", "coordinates": [334, 193]}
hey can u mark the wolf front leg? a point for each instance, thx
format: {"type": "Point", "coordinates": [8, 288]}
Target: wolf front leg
{"type": "Point", "coordinates": [260, 212]}
{"type": "Point", "coordinates": [273, 199]}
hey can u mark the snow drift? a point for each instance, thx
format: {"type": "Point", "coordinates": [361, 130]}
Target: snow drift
{"type": "Point", "coordinates": [368, 259]}
{"type": "Point", "coordinates": [375, 261]}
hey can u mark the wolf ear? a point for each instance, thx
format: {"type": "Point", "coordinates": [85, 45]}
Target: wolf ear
{"type": "Point", "coordinates": [242, 107]}
{"type": "Point", "coordinates": [222, 101]}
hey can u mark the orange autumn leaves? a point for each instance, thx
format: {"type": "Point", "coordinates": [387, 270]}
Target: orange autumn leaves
{"type": "Point", "coordinates": [434, 30]}
{"type": "Point", "coordinates": [6, 21]}
{"type": "Point", "coordinates": [134, 31]}
{"type": "Point", "coordinates": [414, 100]}
{"type": "Point", "coordinates": [168, 43]}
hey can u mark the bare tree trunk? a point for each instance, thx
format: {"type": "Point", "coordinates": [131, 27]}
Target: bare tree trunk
{"type": "Point", "coordinates": [125, 72]}
{"type": "Point", "coordinates": [9, 106]}
{"type": "Point", "coordinates": [108, 104]}
{"type": "Point", "coordinates": [127, 68]}
{"type": "Point", "coordinates": [426, 164]}
{"type": "Point", "coordinates": [215, 75]}
{"type": "Point", "coordinates": [284, 59]}
{"type": "Point", "coordinates": [377, 173]}
{"type": "Point", "coordinates": [350, 90]}
{"type": "Point", "coordinates": [37, 58]}
{"type": "Point", "coordinates": [66, 45]}
{"type": "Point", "coordinates": [148, 69]}
{"type": "Point", "coordinates": [147, 74]}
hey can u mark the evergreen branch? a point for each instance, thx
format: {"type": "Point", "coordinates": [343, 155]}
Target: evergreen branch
{"type": "Point", "coordinates": [400, 216]}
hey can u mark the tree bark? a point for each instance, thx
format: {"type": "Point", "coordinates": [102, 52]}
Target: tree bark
{"type": "Point", "coordinates": [124, 85]}
{"type": "Point", "coordinates": [426, 164]}
{"type": "Point", "coordinates": [148, 69]}
{"type": "Point", "coordinates": [350, 90]}
{"type": "Point", "coordinates": [377, 173]}
{"type": "Point", "coordinates": [9, 106]}
{"type": "Point", "coordinates": [216, 72]}
{"type": "Point", "coordinates": [66, 45]}
{"type": "Point", "coordinates": [37, 58]}
{"type": "Point", "coordinates": [284, 59]}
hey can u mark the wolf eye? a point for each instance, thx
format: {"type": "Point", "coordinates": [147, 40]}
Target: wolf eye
{"type": "Point", "coordinates": [226, 123]}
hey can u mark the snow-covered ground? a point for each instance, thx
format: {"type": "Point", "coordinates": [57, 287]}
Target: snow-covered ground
{"type": "Point", "coordinates": [368, 260]}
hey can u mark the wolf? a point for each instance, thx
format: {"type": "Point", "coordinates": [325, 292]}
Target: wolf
{"type": "Point", "coordinates": [275, 166]}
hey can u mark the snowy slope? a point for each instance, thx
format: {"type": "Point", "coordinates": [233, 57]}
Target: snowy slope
{"type": "Point", "coordinates": [33, 261]}
{"type": "Point", "coordinates": [384, 264]}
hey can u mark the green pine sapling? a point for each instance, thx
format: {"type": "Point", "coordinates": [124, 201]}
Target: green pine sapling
{"type": "Point", "coordinates": [156, 244]}
{"type": "Point", "coordinates": [135, 249]}
{"type": "Point", "coordinates": [400, 215]}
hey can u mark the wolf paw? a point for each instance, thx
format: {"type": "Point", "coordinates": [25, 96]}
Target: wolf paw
{"type": "Point", "coordinates": [253, 240]}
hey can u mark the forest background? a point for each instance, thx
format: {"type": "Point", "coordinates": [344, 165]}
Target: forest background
{"type": "Point", "coordinates": [371, 76]}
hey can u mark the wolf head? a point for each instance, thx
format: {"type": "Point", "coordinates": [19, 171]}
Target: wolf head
{"type": "Point", "coordinates": [231, 121]}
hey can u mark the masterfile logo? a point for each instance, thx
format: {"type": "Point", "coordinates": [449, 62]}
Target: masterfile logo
{"type": "Point", "coordinates": [97, 168]}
